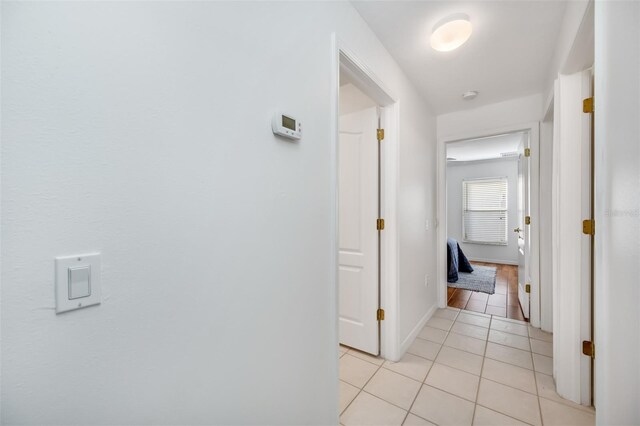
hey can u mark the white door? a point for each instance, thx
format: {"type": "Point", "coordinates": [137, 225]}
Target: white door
{"type": "Point", "coordinates": [524, 242]}
{"type": "Point", "coordinates": [571, 246]}
{"type": "Point", "coordinates": [358, 236]}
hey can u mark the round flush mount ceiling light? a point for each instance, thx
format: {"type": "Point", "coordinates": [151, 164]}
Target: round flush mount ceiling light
{"type": "Point", "coordinates": [471, 94]}
{"type": "Point", "coordinates": [451, 32]}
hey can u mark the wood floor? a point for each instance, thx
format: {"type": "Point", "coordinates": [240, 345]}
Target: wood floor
{"type": "Point", "coordinates": [504, 303]}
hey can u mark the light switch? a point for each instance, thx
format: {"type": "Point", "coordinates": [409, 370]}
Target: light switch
{"type": "Point", "coordinates": [77, 282]}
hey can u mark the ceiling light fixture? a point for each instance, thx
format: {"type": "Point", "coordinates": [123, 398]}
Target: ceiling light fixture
{"type": "Point", "coordinates": [471, 94]}
{"type": "Point", "coordinates": [451, 32]}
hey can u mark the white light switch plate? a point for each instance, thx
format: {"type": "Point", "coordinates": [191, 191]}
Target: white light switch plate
{"type": "Point", "coordinates": [77, 282]}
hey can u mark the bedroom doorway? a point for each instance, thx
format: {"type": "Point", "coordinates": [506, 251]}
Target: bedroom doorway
{"type": "Point", "coordinates": [358, 210]}
{"type": "Point", "coordinates": [365, 150]}
{"type": "Point", "coordinates": [487, 224]}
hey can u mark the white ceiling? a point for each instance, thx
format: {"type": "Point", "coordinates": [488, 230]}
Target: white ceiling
{"type": "Point", "coordinates": [484, 148]}
{"type": "Point", "coordinates": [508, 55]}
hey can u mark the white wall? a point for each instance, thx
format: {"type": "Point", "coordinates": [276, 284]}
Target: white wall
{"type": "Point", "coordinates": [617, 139]}
{"type": "Point", "coordinates": [482, 121]}
{"type": "Point", "coordinates": [573, 53]}
{"type": "Point", "coordinates": [142, 130]}
{"type": "Point", "coordinates": [490, 117]}
{"type": "Point", "coordinates": [416, 206]}
{"type": "Point", "coordinates": [456, 173]}
{"type": "Point", "coordinates": [570, 44]}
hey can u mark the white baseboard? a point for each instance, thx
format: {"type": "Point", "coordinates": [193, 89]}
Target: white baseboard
{"type": "Point", "coordinates": [408, 341]}
{"type": "Point", "coordinates": [502, 262]}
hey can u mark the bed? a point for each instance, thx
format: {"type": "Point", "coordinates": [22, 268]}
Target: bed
{"type": "Point", "coordinates": [456, 261]}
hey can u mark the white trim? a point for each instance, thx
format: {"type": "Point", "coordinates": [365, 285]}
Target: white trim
{"type": "Point", "coordinates": [546, 222]}
{"type": "Point", "coordinates": [406, 343]}
{"type": "Point", "coordinates": [441, 250]}
{"type": "Point", "coordinates": [534, 234]}
{"type": "Point", "coordinates": [366, 80]}
{"type": "Point", "coordinates": [484, 160]}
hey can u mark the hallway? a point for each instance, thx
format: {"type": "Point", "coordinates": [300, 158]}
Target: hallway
{"type": "Point", "coordinates": [184, 185]}
{"type": "Point", "coordinates": [464, 368]}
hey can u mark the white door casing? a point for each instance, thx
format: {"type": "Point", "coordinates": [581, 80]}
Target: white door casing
{"type": "Point", "coordinates": [357, 233]}
{"type": "Point", "coordinates": [533, 131]}
{"type": "Point", "coordinates": [524, 234]}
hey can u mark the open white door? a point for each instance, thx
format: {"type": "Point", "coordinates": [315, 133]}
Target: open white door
{"type": "Point", "coordinates": [571, 245]}
{"type": "Point", "coordinates": [358, 236]}
{"type": "Point", "coordinates": [524, 240]}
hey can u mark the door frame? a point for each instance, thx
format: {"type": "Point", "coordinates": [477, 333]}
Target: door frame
{"type": "Point", "coordinates": [441, 252]}
{"type": "Point", "coordinates": [546, 218]}
{"type": "Point", "coordinates": [367, 81]}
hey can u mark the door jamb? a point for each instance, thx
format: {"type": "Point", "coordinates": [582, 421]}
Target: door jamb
{"type": "Point", "coordinates": [546, 288]}
{"type": "Point", "coordinates": [441, 254]}
{"type": "Point", "coordinates": [367, 81]}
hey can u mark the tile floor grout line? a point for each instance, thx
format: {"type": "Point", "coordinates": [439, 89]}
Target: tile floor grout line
{"type": "Point", "coordinates": [484, 356]}
{"type": "Point", "coordinates": [535, 380]}
{"type": "Point", "coordinates": [509, 386]}
{"type": "Point", "coordinates": [360, 390]}
{"type": "Point", "coordinates": [388, 402]}
{"type": "Point", "coordinates": [560, 401]}
{"type": "Point", "coordinates": [481, 369]}
{"type": "Point", "coordinates": [404, 375]}
{"type": "Point", "coordinates": [400, 374]}
{"type": "Point", "coordinates": [427, 375]}
{"type": "Point", "coordinates": [584, 408]}
{"type": "Point", "coordinates": [362, 359]}
{"type": "Point", "coordinates": [506, 415]}
{"type": "Point", "coordinates": [448, 393]}
{"type": "Point", "coordinates": [379, 367]}
{"type": "Point", "coordinates": [487, 344]}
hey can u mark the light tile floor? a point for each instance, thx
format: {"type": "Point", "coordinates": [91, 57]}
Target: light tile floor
{"type": "Point", "coordinates": [464, 368]}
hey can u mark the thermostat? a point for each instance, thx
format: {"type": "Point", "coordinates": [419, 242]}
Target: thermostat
{"type": "Point", "coordinates": [287, 126]}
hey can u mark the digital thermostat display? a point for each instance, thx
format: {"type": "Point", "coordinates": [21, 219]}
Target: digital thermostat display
{"type": "Point", "coordinates": [289, 122]}
{"type": "Point", "coordinates": [286, 126]}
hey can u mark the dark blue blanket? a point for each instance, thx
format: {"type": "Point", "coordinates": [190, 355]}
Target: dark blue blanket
{"type": "Point", "coordinates": [456, 261]}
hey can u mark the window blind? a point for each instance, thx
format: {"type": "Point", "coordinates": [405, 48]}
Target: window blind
{"type": "Point", "coordinates": [484, 211]}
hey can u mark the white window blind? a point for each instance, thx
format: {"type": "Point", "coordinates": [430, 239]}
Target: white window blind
{"type": "Point", "coordinates": [484, 211]}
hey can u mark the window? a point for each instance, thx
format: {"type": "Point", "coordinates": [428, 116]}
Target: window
{"type": "Point", "coordinates": [484, 211]}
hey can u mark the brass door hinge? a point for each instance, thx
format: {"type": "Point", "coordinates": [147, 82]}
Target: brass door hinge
{"type": "Point", "coordinates": [380, 134]}
{"type": "Point", "coordinates": [527, 288]}
{"type": "Point", "coordinates": [587, 105]}
{"type": "Point", "coordinates": [380, 314]}
{"type": "Point", "coordinates": [527, 220]}
{"type": "Point", "coordinates": [589, 227]}
{"type": "Point", "coordinates": [588, 348]}
{"type": "Point", "coordinates": [527, 152]}
{"type": "Point", "coordinates": [380, 224]}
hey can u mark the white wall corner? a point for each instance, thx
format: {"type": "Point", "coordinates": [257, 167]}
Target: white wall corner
{"type": "Point", "coordinates": [408, 341]}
